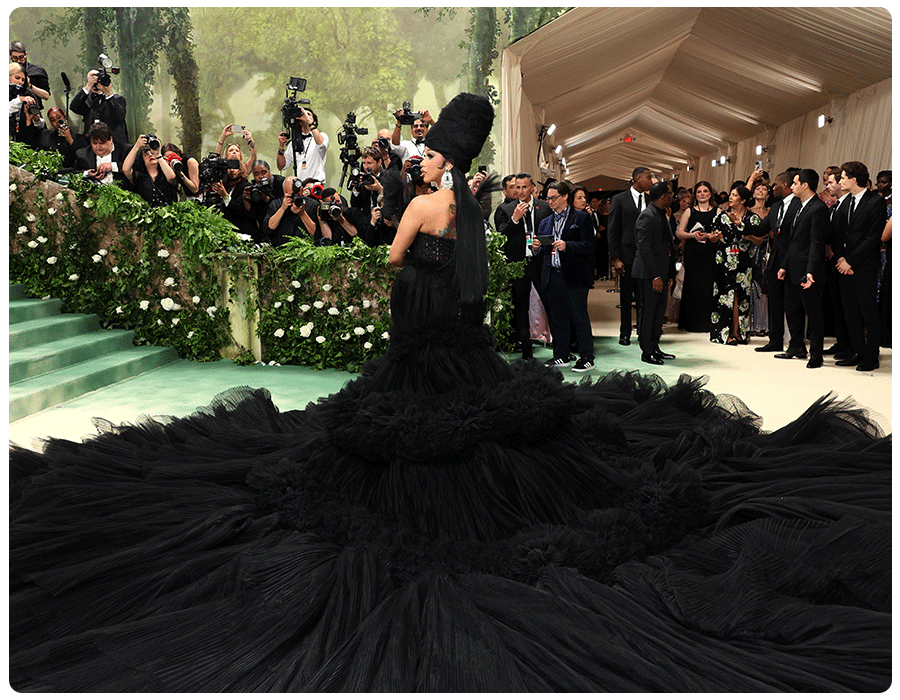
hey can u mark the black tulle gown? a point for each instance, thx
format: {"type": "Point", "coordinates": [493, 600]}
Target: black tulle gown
{"type": "Point", "coordinates": [453, 522]}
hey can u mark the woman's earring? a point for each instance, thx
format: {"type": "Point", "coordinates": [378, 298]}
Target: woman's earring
{"type": "Point", "coordinates": [446, 180]}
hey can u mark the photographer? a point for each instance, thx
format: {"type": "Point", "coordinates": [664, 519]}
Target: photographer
{"type": "Point", "coordinates": [234, 150]}
{"type": "Point", "coordinates": [389, 159]}
{"type": "Point", "coordinates": [400, 188]}
{"type": "Point", "coordinates": [337, 224]}
{"type": "Point", "coordinates": [96, 102]}
{"type": "Point", "coordinates": [104, 158]}
{"type": "Point", "coordinates": [36, 78]}
{"type": "Point", "coordinates": [312, 152]}
{"type": "Point", "coordinates": [257, 195]}
{"type": "Point", "coordinates": [289, 215]}
{"type": "Point", "coordinates": [150, 174]}
{"type": "Point", "coordinates": [366, 199]}
{"type": "Point", "coordinates": [420, 122]}
{"type": "Point", "coordinates": [59, 137]}
{"type": "Point", "coordinates": [187, 170]}
{"type": "Point", "coordinates": [24, 115]}
{"type": "Point", "coordinates": [228, 184]}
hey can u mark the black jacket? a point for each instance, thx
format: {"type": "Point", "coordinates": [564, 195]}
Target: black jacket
{"type": "Point", "coordinates": [515, 232]}
{"type": "Point", "coordinates": [653, 245]}
{"type": "Point", "coordinates": [859, 241]}
{"type": "Point", "coordinates": [99, 108]}
{"type": "Point", "coordinates": [620, 225]}
{"type": "Point", "coordinates": [806, 252]}
{"type": "Point", "coordinates": [577, 261]}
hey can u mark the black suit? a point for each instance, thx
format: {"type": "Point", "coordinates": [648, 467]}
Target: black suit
{"type": "Point", "coordinates": [653, 239]}
{"type": "Point", "coordinates": [86, 159]}
{"type": "Point", "coordinates": [567, 285]}
{"type": "Point", "coordinates": [623, 216]}
{"type": "Point", "coordinates": [97, 107]}
{"type": "Point", "coordinates": [859, 243]}
{"type": "Point", "coordinates": [514, 248]}
{"type": "Point", "coordinates": [806, 255]}
{"type": "Point", "coordinates": [832, 276]}
{"type": "Point", "coordinates": [778, 247]}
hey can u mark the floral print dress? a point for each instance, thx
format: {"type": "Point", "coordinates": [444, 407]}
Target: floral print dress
{"type": "Point", "coordinates": [733, 275]}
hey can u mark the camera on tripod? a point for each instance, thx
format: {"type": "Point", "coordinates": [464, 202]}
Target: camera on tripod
{"type": "Point", "coordinates": [408, 116]}
{"type": "Point", "coordinates": [106, 68]}
{"type": "Point", "coordinates": [291, 109]}
{"type": "Point", "coordinates": [350, 151]}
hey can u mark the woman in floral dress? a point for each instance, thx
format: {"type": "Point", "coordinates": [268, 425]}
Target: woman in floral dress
{"type": "Point", "coordinates": [738, 231]}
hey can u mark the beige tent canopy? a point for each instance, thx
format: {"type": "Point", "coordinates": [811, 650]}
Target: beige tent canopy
{"type": "Point", "coordinates": [692, 84]}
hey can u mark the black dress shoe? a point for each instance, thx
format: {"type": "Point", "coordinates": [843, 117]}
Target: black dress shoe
{"type": "Point", "coordinates": [836, 349]}
{"type": "Point", "coordinates": [791, 354]}
{"type": "Point", "coordinates": [851, 361]}
{"type": "Point", "coordinates": [651, 359]}
{"type": "Point", "coordinates": [624, 340]}
{"type": "Point", "coordinates": [664, 355]}
{"type": "Point", "coordinates": [867, 366]}
{"type": "Point", "coordinates": [844, 354]}
{"type": "Point", "coordinates": [770, 347]}
{"type": "Point", "coordinates": [814, 362]}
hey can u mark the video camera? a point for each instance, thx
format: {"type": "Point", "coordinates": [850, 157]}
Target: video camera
{"type": "Point", "coordinates": [350, 151]}
{"type": "Point", "coordinates": [259, 190]}
{"type": "Point", "coordinates": [291, 108]}
{"type": "Point", "coordinates": [408, 116]}
{"type": "Point", "coordinates": [214, 168]}
{"type": "Point", "coordinates": [106, 68]}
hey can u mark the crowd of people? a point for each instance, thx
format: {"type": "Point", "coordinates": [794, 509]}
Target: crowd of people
{"type": "Point", "coordinates": [732, 264]}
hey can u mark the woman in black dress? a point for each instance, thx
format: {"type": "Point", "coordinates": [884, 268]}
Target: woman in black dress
{"type": "Point", "coordinates": [452, 522]}
{"type": "Point", "coordinates": [699, 261]}
{"type": "Point", "coordinates": [150, 174]}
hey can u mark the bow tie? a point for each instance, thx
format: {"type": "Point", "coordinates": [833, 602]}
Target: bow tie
{"type": "Point", "coordinates": [306, 136]}
{"type": "Point", "coordinates": [418, 141]}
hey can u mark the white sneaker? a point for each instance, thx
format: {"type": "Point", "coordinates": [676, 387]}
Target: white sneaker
{"type": "Point", "coordinates": [583, 365]}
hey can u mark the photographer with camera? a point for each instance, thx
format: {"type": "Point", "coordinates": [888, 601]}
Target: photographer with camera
{"type": "Point", "coordinates": [337, 223]}
{"type": "Point", "coordinates": [97, 102]}
{"type": "Point", "coordinates": [150, 174]}
{"type": "Point", "coordinates": [59, 137]}
{"type": "Point", "coordinates": [368, 195]}
{"type": "Point", "coordinates": [389, 159]}
{"type": "Point", "coordinates": [36, 78]}
{"type": "Point", "coordinates": [400, 189]}
{"type": "Point", "coordinates": [289, 215]}
{"type": "Point", "coordinates": [234, 150]}
{"type": "Point", "coordinates": [312, 147]}
{"type": "Point", "coordinates": [257, 195]}
{"type": "Point", "coordinates": [24, 115]}
{"type": "Point", "coordinates": [222, 183]}
{"type": "Point", "coordinates": [187, 170]}
{"type": "Point", "coordinates": [419, 122]}
{"type": "Point", "coordinates": [104, 158]}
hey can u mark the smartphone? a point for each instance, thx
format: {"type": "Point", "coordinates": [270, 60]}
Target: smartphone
{"type": "Point", "coordinates": [482, 168]}
{"type": "Point", "coordinates": [759, 165]}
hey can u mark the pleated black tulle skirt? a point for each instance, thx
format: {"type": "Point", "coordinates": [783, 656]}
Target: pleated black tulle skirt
{"type": "Point", "coordinates": [453, 522]}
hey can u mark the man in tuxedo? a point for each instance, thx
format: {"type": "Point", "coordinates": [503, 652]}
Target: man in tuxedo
{"type": "Point", "coordinates": [416, 145]}
{"type": "Point", "coordinates": [653, 253]}
{"type": "Point", "coordinates": [779, 221]}
{"type": "Point", "coordinates": [518, 220]}
{"type": "Point", "coordinates": [102, 160]}
{"type": "Point", "coordinates": [99, 103]}
{"type": "Point", "coordinates": [623, 213]}
{"type": "Point", "coordinates": [842, 348]}
{"type": "Point", "coordinates": [858, 259]}
{"type": "Point", "coordinates": [803, 270]}
{"type": "Point", "coordinates": [567, 274]}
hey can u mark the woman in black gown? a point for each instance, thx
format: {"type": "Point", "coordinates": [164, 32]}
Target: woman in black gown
{"type": "Point", "coordinates": [452, 522]}
{"type": "Point", "coordinates": [699, 260]}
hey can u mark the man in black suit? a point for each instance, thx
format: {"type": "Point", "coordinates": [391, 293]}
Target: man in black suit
{"type": "Point", "coordinates": [779, 221]}
{"type": "Point", "coordinates": [518, 220]}
{"type": "Point", "coordinates": [623, 213]}
{"type": "Point", "coordinates": [858, 259]}
{"type": "Point", "coordinates": [803, 270]}
{"type": "Point", "coordinates": [842, 348]}
{"type": "Point", "coordinates": [99, 103]}
{"type": "Point", "coordinates": [653, 253]}
{"type": "Point", "coordinates": [102, 160]}
{"type": "Point", "coordinates": [567, 272]}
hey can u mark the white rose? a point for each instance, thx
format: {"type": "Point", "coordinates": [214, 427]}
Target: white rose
{"type": "Point", "coordinates": [119, 310]}
{"type": "Point", "coordinates": [346, 336]}
{"type": "Point", "coordinates": [195, 299]}
{"type": "Point", "coordinates": [115, 269]}
{"type": "Point", "coordinates": [158, 322]}
{"type": "Point", "coordinates": [306, 331]}
{"type": "Point", "coordinates": [59, 196]}
{"type": "Point", "coordinates": [386, 335]}
{"type": "Point", "coordinates": [163, 253]}
{"type": "Point", "coordinates": [295, 284]}
{"type": "Point", "coordinates": [320, 339]}
{"type": "Point", "coordinates": [290, 297]}
{"type": "Point", "coordinates": [305, 307]}
{"type": "Point", "coordinates": [333, 311]}
{"type": "Point", "coordinates": [319, 304]}
{"type": "Point", "coordinates": [167, 303]}
{"type": "Point", "coordinates": [175, 322]}
{"type": "Point", "coordinates": [367, 345]}
{"type": "Point", "coordinates": [88, 203]}
{"type": "Point", "coordinates": [190, 334]}
{"type": "Point", "coordinates": [211, 310]}
{"type": "Point", "coordinates": [51, 211]}
{"type": "Point", "coordinates": [169, 282]}
{"type": "Point", "coordinates": [42, 239]}
{"type": "Point", "coordinates": [31, 217]}
{"type": "Point", "coordinates": [145, 305]}
{"type": "Point", "coordinates": [96, 258]}
{"type": "Point", "coordinates": [73, 277]}
{"type": "Point", "coordinates": [32, 244]}
{"type": "Point", "coordinates": [359, 331]}
{"type": "Point", "coordinates": [326, 287]}
{"type": "Point", "coordinates": [176, 307]}
{"type": "Point", "coordinates": [12, 187]}
{"type": "Point", "coordinates": [102, 251]}
{"type": "Point", "coordinates": [279, 333]}
{"type": "Point", "coordinates": [22, 229]}
{"type": "Point", "coordinates": [370, 328]}
{"type": "Point", "coordinates": [366, 303]}
{"type": "Point", "coordinates": [52, 260]}
{"type": "Point", "coordinates": [277, 305]}
{"type": "Point", "coordinates": [350, 309]}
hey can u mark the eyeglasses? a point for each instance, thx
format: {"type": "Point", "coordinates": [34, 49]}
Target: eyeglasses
{"type": "Point", "coordinates": [553, 197]}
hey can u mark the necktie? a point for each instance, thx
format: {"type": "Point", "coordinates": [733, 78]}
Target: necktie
{"type": "Point", "coordinates": [780, 216]}
{"type": "Point", "coordinates": [852, 205]}
{"type": "Point", "coordinates": [797, 216]}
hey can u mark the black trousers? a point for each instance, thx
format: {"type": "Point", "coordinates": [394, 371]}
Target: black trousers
{"type": "Point", "coordinates": [798, 301]}
{"type": "Point", "coordinates": [833, 285]}
{"type": "Point", "coordinates": [859, 292]}
{"type": "Point", "coordinates": [776, 306]}
{"type": "Point", "coordinates": [627, 289]}
{"type": "Point", "coordinates": [521, 298]}
{"type": "Point", "coordinates": [568, 307]}
{"type": "Point", "coordinates": [651, 316]}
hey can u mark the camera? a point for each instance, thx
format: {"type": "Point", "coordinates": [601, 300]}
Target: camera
{"type": "Point", "coordinates": [106, 68]}
{"type": "Point", "coordinates": [153, 142]}
{"type": "Point", "coordinates": [258, 191]}
{"type": "Point", "coordinates": [214, 168]}
{"type": "Point", "coordinates": [350, 152]}
{"type": "Point", "coordinates": [35, 113]}
{"type": "Point", "coordinates": [384, 144]}
{"type": "Point", "coordinates": [291, 108]}
{"type": "Point", "coordinates": [62, 125]}
{"type": "Point", "coordinates": [330, 210]}
{"type": "Point", "coordinates": [366, 179]}
{"type": "Point", "coordinates": [316, 191]}
{"type": "Point", "coordinates": [415, 170]}
{"type": "Point", "coordinates": [408, 116]}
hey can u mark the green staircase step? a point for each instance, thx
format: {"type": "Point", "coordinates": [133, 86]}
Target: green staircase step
{"type": "Point", "coordinates": [16, 292]}
{"type": "Point", "coordinates": [45, 330]}
{"type": "Point", "coordinates": [30, 309]}
{"type": "Point", "coordinates": [37, 393]}
{"type": "Point", "coordinates": [48, 357]}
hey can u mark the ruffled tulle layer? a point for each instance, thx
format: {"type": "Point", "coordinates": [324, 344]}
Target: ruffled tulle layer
{"type": "Point", "coordinates": [451, 522]}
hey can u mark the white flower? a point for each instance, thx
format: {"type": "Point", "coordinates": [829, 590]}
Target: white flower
{"type": "Point", "coordinates": [163, 253]}
{"type": "Point", "coordinates": [46, 297]}
{"type": "Point", "coordinates": [366, 303]}
{"type": "Point", "coordinates": [119, 310]}
{"type": "Point", "coordinates": [346, 336]}
{"type": "Point", "coordinates": [12, 187]}
{"type": "Point", "coordinates": [59, 196]}
{"type": "Point", "coordinates": [276, 305]}
{"type": "Point", "coordinates": [271, 363]}
{"type": "Point", "coordinates": [31, 217]}
{"type": "Point", "coordinates": [22, 229]}
{"type": "Point", "coordinates": [32, 244]}
{"type": "Point", "coordinates": [73, 277]}
{"type": "Point", "coordinates": [167, 303]}
{"type": "Point", "coordinates": [319, 304]}
{"type": "Point", "coordinates": [102, 251]}
{"type": "Point", "coordinates": [42, 239]}
{"type": "Point", "coordinates": [367, 345]}
{"type": "Point", "coordinates": [333, 311]}
{"type": "Point", "coordinates": [245, 237]}
{"type": "Point", "coordinates": [326, 287]}
{"type": "Point", "coordinates": [195, 299]}
{"type": "Point", "coordinates": [51, 211]}
{"type": "Point", "coordinates": [359, 331]}
{"type": "Point", "coordinates": [52, 260]}
{"type": "Point", "coordinates": [169, 282]}
{"type": "Point", "coordinates": [96, 258]}
{"type": "Point", "coordinates": [115, 270]}
{"type": "Point", "coordinates": [175, 322]}
{"type": "Point", "coordinates": [386, 335]}
{"type": "Point", "coordinates": [279, 333]}
{"type": "Point", "coordinates": [295, 284]}
{"type": "Point", "coordinates": [320, 339]}
{"type": "Point", "coordinates": [305, 307]}
{"type": "Point", "coordinates": [290, 297]}
{"type": "Point", "coordinates": [190, 334]}
{"type": "Point", "coordinates": [370, 328]}
{"type": "Point", "coordinates": [88, 203]}
{"type": "Point", "coordinates": [158, 322]}
{"type": "Point", "coordinates": [145, 305]}
{"type": "Point", "coordinates": [306, 330]}
{"type": "Point", "coordinates": [350, 309]}
{"type": "Point", "coordinates": [176, 307]}
{"type": "Point", "coordinates": [211, 310]}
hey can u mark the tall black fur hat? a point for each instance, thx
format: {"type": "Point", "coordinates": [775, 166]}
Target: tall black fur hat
{"type": "Point", "coordinates": [461, 129]}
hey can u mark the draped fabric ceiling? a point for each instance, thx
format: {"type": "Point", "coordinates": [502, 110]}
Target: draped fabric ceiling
{"type": "Point", "coordinates": [692, 83]}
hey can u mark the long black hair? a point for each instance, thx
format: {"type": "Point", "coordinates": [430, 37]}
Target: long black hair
{"type": "Point", "coordinates": [471, 245]}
